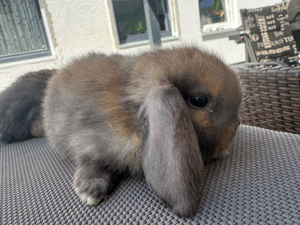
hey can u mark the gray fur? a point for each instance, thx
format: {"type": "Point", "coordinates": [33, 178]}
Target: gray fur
{"type": "Point", "coordinates": [116, 115]}
{"type": "Point", "coordinates": [20, 107]}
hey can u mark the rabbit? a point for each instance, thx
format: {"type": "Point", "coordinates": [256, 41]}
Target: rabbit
{"type": "Point", "coordinates": [161, 114]}
{"type": "Point", "coordinates": [20, 107]}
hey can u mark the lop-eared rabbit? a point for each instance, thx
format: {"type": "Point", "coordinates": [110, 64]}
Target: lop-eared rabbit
{"type": "Point", "coordinates": [160, 114]}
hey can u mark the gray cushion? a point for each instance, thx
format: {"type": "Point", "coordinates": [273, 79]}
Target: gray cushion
{"type": "Point", "coordinates": [258, 183]}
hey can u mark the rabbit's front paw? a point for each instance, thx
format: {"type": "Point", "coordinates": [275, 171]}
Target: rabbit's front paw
{"type": "Point", "coordinates": [92, 190]}
{"type": "Point", "coordinates": [220, 154]}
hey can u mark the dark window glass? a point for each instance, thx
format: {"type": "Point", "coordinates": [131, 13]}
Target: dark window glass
{"type": "Point", "coordinates": [131, 22]}
{"type": "Point", "coordinates": [22, 32]}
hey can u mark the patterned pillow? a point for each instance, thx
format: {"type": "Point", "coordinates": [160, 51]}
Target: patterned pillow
{"type": "Point", "coordinates": [270, 35]}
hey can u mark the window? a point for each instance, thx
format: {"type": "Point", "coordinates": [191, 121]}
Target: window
{"type": "Point", "coordinates": [217, 15]}
{"type": "Point", "coordinates": [131, 23]}
{"type": "Point", "coordinates": [22, 31]}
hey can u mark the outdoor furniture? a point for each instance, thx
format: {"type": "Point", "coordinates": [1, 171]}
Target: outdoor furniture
{"type": "Point", "coordinates": [271, 98]}
{"type": "Point", "coordinates": [271, 34]}
{"type": "Point", "coordinates": [293, 9]}
{"type": "Point", "coordinates": [257, 183]}
{"type": "Point", "coordinates": [268, 36]}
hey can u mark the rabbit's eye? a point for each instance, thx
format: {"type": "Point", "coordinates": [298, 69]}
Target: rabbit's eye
{"type": "Point", "coordinates": [199, 102]}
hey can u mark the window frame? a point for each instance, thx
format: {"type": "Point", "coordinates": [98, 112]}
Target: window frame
{"type": "Point", "coordinates": [34, 57]}
{"type": "Point", "coordinates": [141, 38]}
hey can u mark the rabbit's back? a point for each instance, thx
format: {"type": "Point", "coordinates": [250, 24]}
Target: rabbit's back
{"type": "Point", "coordinates": [83, 114]}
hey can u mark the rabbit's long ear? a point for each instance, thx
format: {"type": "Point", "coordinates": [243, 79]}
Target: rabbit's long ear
{"type": "Point", "coordinates": [171, 157]}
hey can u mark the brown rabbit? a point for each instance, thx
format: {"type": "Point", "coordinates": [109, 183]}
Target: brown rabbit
{"type": "Point", "coordinates": [161, 113]}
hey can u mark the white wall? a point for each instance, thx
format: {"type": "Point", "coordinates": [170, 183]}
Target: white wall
{"type": "Point", "coordinates": [256, 3]}
{"type": "Point", "coordinates": [80, 26]}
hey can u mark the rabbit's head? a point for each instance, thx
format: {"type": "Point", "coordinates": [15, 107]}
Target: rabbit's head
{"type": "Point", "coordinates": [190, 103]}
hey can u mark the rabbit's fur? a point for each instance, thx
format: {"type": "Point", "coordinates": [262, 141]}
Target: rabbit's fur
{"type": "Point", "coordinates": [117, 114]}
{"type": "Point", "coordinates": [20, 107]}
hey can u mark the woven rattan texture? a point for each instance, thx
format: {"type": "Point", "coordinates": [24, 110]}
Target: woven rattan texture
{"type": "Point", "coordinates": [272, 98]}
{"type": "Point", "coordinates": [258, 183]}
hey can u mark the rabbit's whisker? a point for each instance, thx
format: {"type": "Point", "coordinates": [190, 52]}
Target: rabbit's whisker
{"type": "Point", "coordinates": [253, 90]}
{"type": "Point", "coordinates": [271, 95]}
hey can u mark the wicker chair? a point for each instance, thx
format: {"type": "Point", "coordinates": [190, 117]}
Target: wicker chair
{"type": "Point", "coordinates": [257, 183]}
{"type": "Point", "coordinates": [272, 98]}
{"type": "Point", "coordinates": [272, 94]}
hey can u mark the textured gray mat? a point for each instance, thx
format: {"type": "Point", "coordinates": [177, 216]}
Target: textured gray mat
{"type": "Point", "coordinates": [258, 183]}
